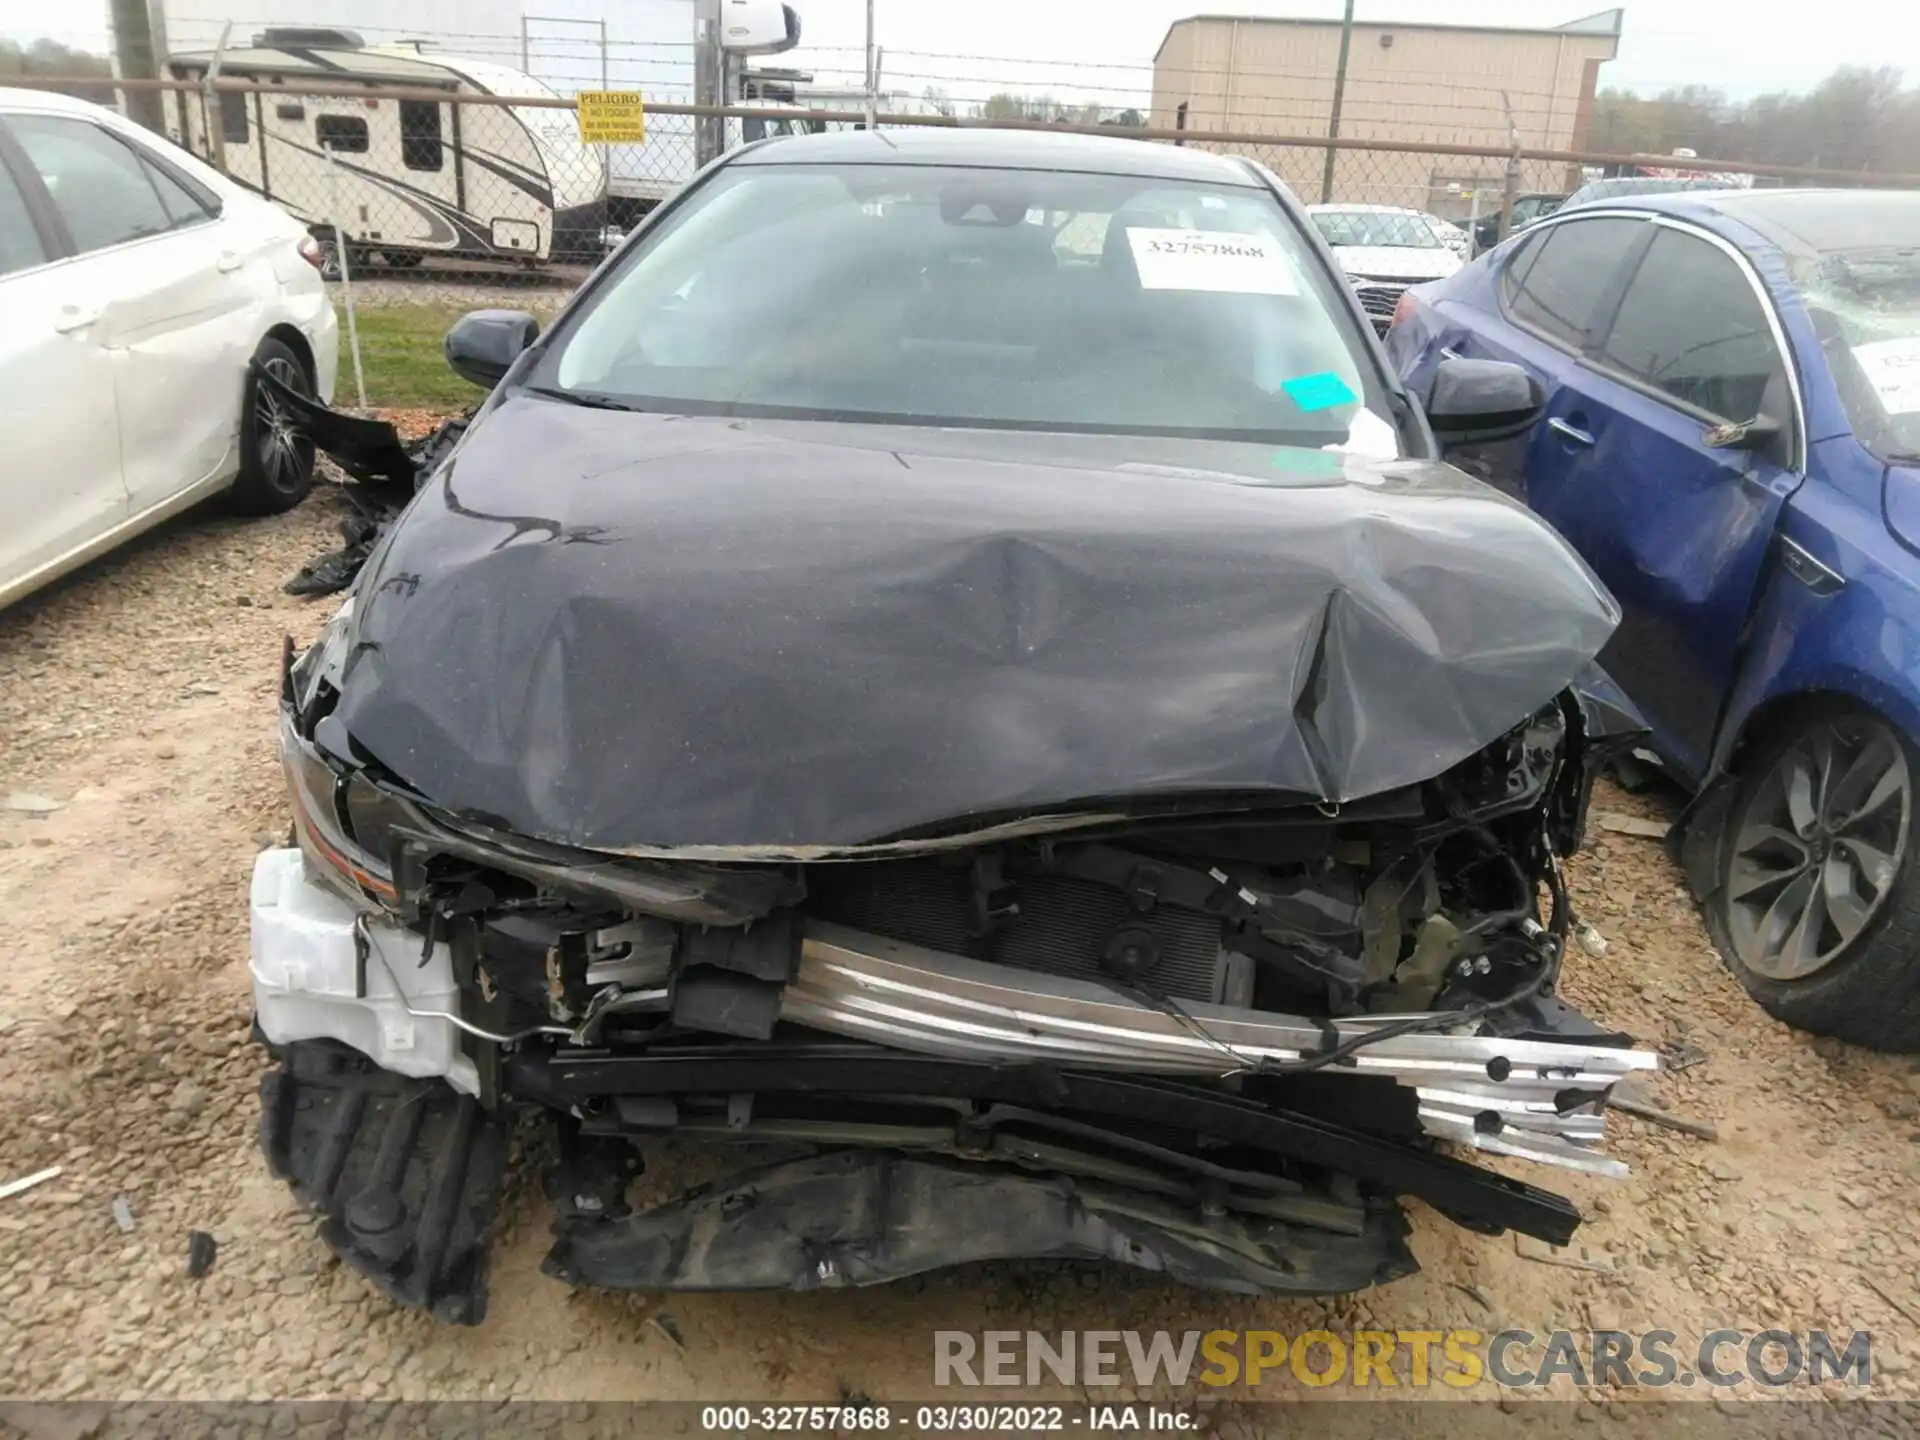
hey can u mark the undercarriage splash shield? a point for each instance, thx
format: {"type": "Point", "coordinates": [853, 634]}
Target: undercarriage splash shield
{"type": "Point", "coordinates": [854, 1218]}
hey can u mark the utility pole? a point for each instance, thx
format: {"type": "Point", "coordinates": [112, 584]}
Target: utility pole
{"type": "Point", "coordinates": [873, 70]}
{"type": "Point", "coordinates": [133, 49]}
{"type": "Point", "coordinates": [709, 81]}
{"type": "Point", "coordinates": [1339, 97]}
{"type": "Point", "coordinates": [1510, 188]}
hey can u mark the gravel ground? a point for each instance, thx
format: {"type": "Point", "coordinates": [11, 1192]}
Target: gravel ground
{"type": "Point", "coordinates": [139, 695]}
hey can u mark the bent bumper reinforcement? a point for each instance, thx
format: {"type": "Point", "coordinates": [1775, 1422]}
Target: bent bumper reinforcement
{"type": "Point", "coordinates": [1540, 1100]}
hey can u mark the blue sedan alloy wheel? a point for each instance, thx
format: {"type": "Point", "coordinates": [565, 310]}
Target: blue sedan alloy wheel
{"type": "Point", "coordinates": [1817, 847]}
{"type": "Point", "coordinates": [1819, 912]}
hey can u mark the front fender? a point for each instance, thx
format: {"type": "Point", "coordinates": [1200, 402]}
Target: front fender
{"type": "Point", "coordinates": [1860, 644]}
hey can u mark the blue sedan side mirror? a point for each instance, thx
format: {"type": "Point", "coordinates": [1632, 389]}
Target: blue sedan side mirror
{"type": "Point", "coordinates": [1477, 402]}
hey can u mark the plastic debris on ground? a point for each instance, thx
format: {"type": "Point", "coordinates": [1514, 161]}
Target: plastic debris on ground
{"type": "Point", "coordinates": [383, 472]}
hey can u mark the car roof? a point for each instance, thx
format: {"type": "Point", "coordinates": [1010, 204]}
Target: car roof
{"type": "Point", "coordinates": [1001, 150]}
{"type": "Point", "coordinates": [1799, 222]}
{"type": "Point", "coordinates": [1336, 207]}
{"type": "Point", "coordinates": [13, 97]}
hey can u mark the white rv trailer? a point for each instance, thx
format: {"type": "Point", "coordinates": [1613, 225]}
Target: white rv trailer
{"type": "Point", "coordinates": [671, 51]}
{"type": "Point", "coordinates": [402, 178]}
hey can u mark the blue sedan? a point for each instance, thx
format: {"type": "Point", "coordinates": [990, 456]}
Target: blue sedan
{"type": "Point", "coordinates": [1731, 438]}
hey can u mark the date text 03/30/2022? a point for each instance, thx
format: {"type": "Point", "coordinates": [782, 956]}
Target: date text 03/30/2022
{"type": "Point", "coordinates": [876, 1418]}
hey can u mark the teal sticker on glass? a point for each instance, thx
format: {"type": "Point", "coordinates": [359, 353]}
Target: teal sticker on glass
{"type": "Point", "coordinates": [1317, 464]}
{"type": "Point", "coordinates": [1319, 392]}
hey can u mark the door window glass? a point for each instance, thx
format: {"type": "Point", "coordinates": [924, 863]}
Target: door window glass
{"type": "Point", "coordinates": [100, 187]}
{"type": "Point", "coordinates": [1691, 326]}
{"type": "Point", "coordinates": [1555, 279]}
{"type": "Point", "coordinates": [185, 207]}
{"type": "Point", "coordinates": [420, 147]}
{"type": "Point", "coordinates": [19, 242]}
{"type": "Point", "coordinates": [346, 134]}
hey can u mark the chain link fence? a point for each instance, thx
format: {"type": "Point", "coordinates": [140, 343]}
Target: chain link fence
{"type": "Point", "coordinates": [430, 200]}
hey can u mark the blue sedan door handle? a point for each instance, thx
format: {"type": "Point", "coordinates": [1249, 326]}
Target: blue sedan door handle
{"type": "Point", "coordinates": [1572, 434]}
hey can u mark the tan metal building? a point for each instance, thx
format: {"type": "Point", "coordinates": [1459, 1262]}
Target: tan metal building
{"type": "Point", "coordinates": [1448, 84]}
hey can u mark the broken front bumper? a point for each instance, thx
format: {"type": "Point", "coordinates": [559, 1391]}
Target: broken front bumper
{"type": "Point", "coordinates": [325, 971]}
{"type": "Point", "coordinates": [1050, 1101]}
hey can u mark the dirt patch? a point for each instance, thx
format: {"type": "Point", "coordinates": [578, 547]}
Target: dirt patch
{"type": "Point", "coordinates": [139, 696]}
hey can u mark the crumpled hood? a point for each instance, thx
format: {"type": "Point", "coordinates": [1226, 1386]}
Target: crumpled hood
{"type": "Point", "coordinates": [646, 633]}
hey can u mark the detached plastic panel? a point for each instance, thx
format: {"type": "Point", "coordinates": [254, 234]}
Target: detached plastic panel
{"type": "Point", "coordinates": [307, 980]}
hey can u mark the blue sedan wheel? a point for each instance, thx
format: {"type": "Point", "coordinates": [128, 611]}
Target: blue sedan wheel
{"type": "Point", "coordinates": [1818, 907]}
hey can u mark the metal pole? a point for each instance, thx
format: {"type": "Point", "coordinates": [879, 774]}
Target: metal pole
{"type": "Point", "coordinates": [605, 83]}
{"type": "Point", "coordinates": [216, 128]}
{"type": "Point", "coordinates": [1339, 98]}
{"type": "Point", "coordinates": [873, 71]}
{"type": "Point", "coordinates": [1511, 187]}
{"type": "Point", "coordinates": [709, 76]}
{"type": "Point", "coordinates": [133, 46]}
{"type": "Point", "coordinates": [526, 46]}
{"type": "Point", "coordinates": [346, 274]}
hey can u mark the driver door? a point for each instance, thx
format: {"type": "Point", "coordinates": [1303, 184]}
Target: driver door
{"type": "Point", "coordinates": [1674, 519]}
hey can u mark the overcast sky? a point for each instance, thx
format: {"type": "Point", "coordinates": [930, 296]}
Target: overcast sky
{"type": "Point", "coordinates": [1732, 44]}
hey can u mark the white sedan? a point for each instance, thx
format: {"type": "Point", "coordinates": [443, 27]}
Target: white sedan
{"type": "Point", "coordinates": [1383, 249]}
{"type": "Point", "coordinates": [137, 285]}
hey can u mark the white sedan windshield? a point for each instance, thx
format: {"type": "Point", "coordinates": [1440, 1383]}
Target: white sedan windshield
{"type": "Point", "coordinates": [1384, 228]}
{"type": "Point", "coordinates": [945, 295]}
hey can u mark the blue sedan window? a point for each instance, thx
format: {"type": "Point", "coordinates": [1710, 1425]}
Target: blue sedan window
{"type": "Point", "coordinates": [1558, 276]}
{"type": "Point", "coordinates": [1692, 328]}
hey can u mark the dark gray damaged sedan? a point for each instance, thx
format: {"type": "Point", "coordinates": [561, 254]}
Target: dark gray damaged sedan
{"type": "Point", "coordinates": [954, 660]}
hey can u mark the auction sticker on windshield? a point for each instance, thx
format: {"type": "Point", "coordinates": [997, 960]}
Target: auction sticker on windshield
{"type": "Point", "coordinates": [1892, 367]}
{"type": "Point", "coordinates": [1210, 260]}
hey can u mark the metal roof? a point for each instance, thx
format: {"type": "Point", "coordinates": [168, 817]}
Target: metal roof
{"type": "Point", "coordinates": [1003, 150]}
{"type": "Point", "coordinates": [383, 65]}
{"type": "Point", "coordinates": [1602, 24]}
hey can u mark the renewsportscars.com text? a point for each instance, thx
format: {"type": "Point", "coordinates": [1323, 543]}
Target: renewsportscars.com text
{"type": "Point", "coordinates": [1400, 1359]}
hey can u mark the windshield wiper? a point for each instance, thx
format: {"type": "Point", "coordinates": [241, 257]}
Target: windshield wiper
{"type": "Point", "coordinates": [584, 398]}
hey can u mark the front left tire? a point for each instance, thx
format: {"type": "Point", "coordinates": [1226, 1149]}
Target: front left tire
{"type": "Point", "coordinates": [276, 459]}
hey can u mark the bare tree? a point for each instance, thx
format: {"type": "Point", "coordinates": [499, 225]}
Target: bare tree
{"type": "Point", "coordinates": [1855, 119]}
{"type": "Point", "coordinates": [50, 57]}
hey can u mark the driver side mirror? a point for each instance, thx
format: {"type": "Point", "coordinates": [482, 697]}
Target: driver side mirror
{"type": "Point", "coordinates": [483, 344]}
{"type": "Point", "coordinates": [1478, 402]}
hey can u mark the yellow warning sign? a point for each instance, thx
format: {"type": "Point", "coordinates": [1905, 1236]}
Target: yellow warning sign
{"type": "Point", "coordinates": [611, 117]}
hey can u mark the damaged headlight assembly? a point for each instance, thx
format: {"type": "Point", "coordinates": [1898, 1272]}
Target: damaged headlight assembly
{"type": "Point", "coordinates": [1215, 1044]}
